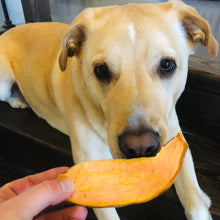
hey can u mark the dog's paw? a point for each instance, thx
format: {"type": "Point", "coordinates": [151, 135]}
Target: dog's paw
{"type": "Point", "coordinates": [17, 103]}
{"type": "Point", "coordinates": [199, 209]}
{"type": "Point", "coordinates": [201, 214]}
{"type": "Point", "coordinates": [5, 91]}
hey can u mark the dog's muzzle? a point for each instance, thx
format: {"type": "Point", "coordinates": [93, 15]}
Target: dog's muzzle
{"type": "Point", "coordinates": [143, 143]}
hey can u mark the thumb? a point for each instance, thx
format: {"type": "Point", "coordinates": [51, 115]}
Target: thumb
{"type": "Point", "coordinates": [34, 200]}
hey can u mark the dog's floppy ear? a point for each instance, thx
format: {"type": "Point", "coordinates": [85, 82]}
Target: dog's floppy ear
{"type": "Point", "coordinates": [75, 37]}
{"type": "Point", "coordinates": [196, 27]}
{"type": "Point", "coordinates": [72, 43]}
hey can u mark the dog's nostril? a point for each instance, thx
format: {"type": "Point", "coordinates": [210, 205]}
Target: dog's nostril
{"type": "Point", "coordinates": [129, 153]}
{"type": "Point", "coordinates": [151, 151]}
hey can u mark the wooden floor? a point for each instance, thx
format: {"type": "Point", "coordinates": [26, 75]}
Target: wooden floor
{"type": "Point", "coordinates": [28, 145]}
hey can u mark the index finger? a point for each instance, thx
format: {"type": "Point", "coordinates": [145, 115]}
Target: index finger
{"type": "Point", "coordinates": [16, 187]}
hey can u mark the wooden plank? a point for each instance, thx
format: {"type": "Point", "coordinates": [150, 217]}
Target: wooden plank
{"type": "Point", "coordinates": [201, 64]}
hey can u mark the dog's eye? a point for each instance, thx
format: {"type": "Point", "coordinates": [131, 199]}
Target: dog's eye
{"type": "Point", "coordinates": [167, 67]}
{"type": "Point", "coordinates": [102, 72]}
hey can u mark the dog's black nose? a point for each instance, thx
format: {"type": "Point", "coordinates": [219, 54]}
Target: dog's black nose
{"type": "Point", "coordinates": [141, 144]}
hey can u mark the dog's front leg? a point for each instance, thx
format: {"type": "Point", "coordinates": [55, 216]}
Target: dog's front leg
{"type": "Point", "coordinates": [195, 202]}
{"type": "Point", "coordinates": [106, 214]}
{"type": "Point", "coordinates": [91, 147]}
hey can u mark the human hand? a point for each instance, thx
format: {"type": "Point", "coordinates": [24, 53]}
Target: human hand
{"type": "Point", "coordinates": [25, 198]}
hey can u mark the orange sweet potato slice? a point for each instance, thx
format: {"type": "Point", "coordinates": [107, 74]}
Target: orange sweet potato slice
{"type": "Point", "coordinates": [121, 182]}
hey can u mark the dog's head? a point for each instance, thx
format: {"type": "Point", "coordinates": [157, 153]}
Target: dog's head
{"type": "Point", "coordinates": [134, 61]}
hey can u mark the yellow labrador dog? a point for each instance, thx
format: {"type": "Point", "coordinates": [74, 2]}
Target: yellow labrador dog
{"type": "Point", "coordinates": [110, 81]}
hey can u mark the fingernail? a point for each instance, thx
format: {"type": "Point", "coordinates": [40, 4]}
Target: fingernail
{"type": "Point", "coordinates": [67, 185]}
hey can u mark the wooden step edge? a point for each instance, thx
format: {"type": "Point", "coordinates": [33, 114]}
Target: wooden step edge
{"type": "Point", "coordinates": [205, 65]}
{"type": "Point", "coordinates": [204, 74]}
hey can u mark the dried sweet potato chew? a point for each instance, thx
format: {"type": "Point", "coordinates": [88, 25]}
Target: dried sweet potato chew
{"type": "Point", "coordinates": [122, 182]}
